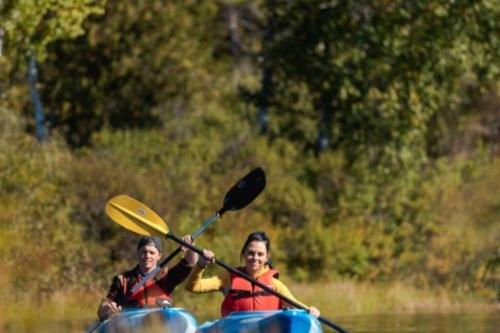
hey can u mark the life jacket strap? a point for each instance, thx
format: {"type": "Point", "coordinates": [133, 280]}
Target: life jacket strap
{"type": "Point", "coordinates": [238, 294]}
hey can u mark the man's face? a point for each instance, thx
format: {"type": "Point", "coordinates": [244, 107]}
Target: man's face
{"type": "Point", "coordinates": [148, 257]}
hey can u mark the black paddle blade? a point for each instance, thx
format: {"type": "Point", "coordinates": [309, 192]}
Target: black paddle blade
{"type": "Point", "coordinates": [244, 191]}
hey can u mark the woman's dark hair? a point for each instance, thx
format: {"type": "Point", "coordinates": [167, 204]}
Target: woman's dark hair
{"type": "Point", "coordinates": [259, 236]}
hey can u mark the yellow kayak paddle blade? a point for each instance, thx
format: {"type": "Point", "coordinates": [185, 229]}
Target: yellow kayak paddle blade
{"type": "Point", "coordinates": [135, 216]}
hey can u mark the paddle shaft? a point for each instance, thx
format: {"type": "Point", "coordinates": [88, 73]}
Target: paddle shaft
{"type": "Point", "coordinates": [194, 235]}
{"type": "Point", "coordinates": [255, 282]}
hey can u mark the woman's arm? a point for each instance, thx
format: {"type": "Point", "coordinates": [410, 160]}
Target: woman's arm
{"type": "Point", "coordinates": [197, 284]}
{"type": "Point", "coordinates": [283, 290]}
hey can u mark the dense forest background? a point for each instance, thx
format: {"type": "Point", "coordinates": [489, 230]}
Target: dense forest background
{"type": "Point", "coordinates": [377, 123]}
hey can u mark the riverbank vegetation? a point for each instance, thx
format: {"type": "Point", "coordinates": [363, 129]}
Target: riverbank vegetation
{"type": "Point", "coordinates": [76, 311]}
{"type": "Point", "coordinates": [377, 127]}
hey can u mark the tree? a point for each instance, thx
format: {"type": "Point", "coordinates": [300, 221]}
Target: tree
{"type": "Point", "coordinates": [27, 29]}
{"type": "Point", "coordinates": [141, 63]}
{"type": "Point", "coordinates": [376, 72]}
{"type": "Point", "coordinates": [30, 26]}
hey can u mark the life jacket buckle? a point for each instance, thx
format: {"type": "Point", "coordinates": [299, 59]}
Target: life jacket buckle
{"type": "Point", "coordinates": [164, 302]}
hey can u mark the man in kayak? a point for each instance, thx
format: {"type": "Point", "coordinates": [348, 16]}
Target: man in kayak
{"type": "Point", "coordinates": [157, 291]}
{"type": "Point", "coordinates": [240, 294]}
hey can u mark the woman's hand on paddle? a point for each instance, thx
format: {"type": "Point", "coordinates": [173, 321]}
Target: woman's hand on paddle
{"type": "Point", "coordinates": [208, 257]}
{"type": "Point", "coordinates": [190, 256]}
{"type": "Point", "coordinates": [314, 312]}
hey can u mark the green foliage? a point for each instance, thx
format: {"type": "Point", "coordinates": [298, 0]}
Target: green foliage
{"type": "Point", "coordinates": [140, 64]}
{"type": "Point", "coordinates": [27, 28]}
{"type": "Point", "coordinates": [30, 26]}
{"type": "Point", "coordinates": [373, 74]}
{"type": "Point", "coordinates": [39, 234]}
{"type": "Point", "coordinates": [466, 247]}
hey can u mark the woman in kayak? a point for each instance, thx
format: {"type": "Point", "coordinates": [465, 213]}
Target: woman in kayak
{"type": "Point", "coordinates": [240, 294]}
{"type": "Point", "coordinates": [157, 290]}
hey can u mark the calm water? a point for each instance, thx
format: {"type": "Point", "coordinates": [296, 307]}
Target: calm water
{"type": "Point", "coordinates": [429, 323]}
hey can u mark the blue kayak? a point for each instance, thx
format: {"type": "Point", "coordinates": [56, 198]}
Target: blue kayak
{"type": "Point", "coordinates": [171, 320]}
{"type": "Point", "coordinates": [285, 321]}
{"type": "Point", "coordinates": [177, 320]}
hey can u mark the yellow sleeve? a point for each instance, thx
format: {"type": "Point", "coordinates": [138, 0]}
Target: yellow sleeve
{"type": "Point", "coordinates": [196, 284]}
{"type": "Point", "coordinates": [283, 290]}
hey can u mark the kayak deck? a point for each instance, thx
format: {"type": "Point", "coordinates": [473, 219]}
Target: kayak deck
{"type": "Point", "coordinates": [172, 320]}
{"type": "Point", "coordinates": [285, 321]}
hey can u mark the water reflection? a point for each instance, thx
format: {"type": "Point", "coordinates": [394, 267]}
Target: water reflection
{"type": "Point", "coordinates": [429, 323]}
{"type": "Point", "coordinates": [389, 323]}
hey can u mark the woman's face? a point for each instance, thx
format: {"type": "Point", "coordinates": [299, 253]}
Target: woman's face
{"type": "Point", "coordinates": [256, 256]}
{"type": "Point", "coordinates": [148, 257]}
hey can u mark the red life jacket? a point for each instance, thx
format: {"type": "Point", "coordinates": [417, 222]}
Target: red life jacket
{"type": "Point", "coordinates": [148, 294]}
{"type": "Point", "coordinates": [245, 296]}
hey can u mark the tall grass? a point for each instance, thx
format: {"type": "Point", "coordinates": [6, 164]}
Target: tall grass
{"type": "Point", "coordinates": [355, 298]}
{"type": "Point", "coordinates": [59, 312]}
{"type": "Point", "coordinates": [348, 297]}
